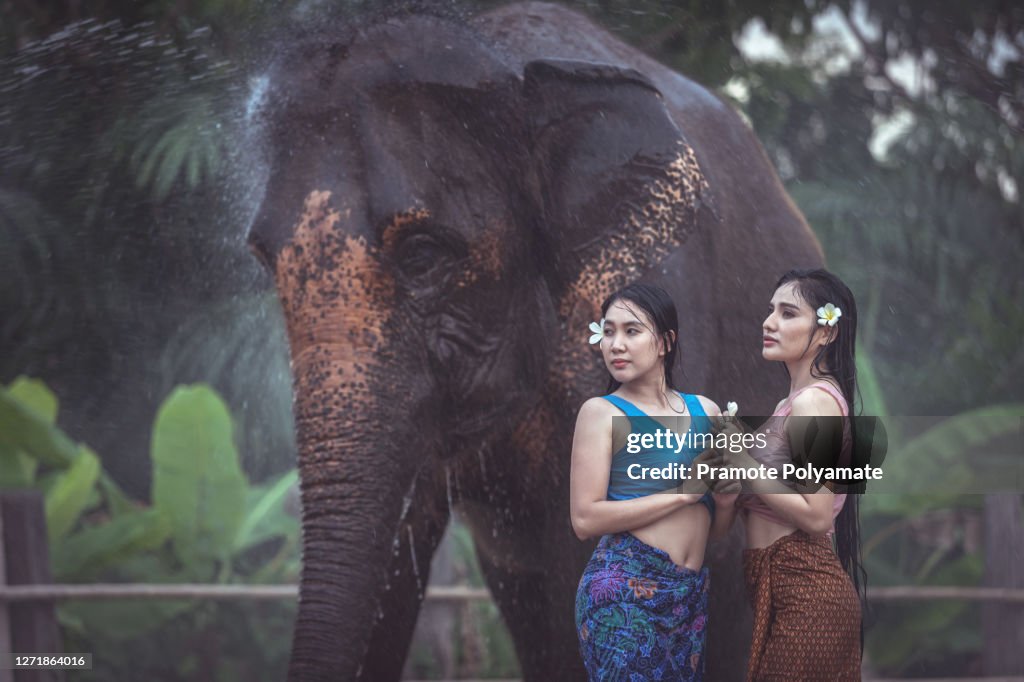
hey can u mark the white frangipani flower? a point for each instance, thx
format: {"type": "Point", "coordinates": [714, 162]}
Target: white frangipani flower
{"type": "Point", "coordinates": [597, 329]}
{"type": "Point", "coordinates": [829, 314]}
{"type": "Point", "coordinates": [731, 408]}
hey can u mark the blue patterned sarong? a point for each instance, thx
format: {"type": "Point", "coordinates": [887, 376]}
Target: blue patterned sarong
{"type": "Point", "coordinates": [639, 616]}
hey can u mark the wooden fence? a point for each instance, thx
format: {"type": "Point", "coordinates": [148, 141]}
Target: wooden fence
{"type": "Point", "coordinates": [28, 596]}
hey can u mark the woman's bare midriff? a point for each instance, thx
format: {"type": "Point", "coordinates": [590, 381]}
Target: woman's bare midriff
{"type": "Point", "coordinates": [762, 532]}
{"type": "Point", "coordinates": [683, 534]}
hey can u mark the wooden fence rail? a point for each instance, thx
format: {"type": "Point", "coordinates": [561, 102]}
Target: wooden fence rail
{"type": "Point", "coordinates": [52, 592]}
{"type": "Point", "coordinates": [28, 596]}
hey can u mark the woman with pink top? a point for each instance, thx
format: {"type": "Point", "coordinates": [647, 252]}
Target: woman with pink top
{"type": "Point", "coordinates": [805, 594]}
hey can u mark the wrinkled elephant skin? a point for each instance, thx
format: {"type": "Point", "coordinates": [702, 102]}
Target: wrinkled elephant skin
{"type": "Point", "coordinates": [447, 207]}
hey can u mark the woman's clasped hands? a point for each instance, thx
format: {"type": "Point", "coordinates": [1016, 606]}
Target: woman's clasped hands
{"type": "Point", "coordinates": [721, 461]}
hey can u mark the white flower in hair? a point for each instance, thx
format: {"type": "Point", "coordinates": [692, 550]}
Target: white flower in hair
{"type": "Point", "coordinates": [730, 409]}
{"type": "Point", "coordinates": [829, 314]}
{"type": "Point", "coordinates": [598, 331]}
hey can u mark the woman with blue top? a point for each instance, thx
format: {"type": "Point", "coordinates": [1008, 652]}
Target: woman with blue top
{"type": "Point", "coordinates": [641, 607]}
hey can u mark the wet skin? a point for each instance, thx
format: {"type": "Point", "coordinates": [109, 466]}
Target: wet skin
{"type": "Point", "coordinates": [791, 334]}
{"type": "Point", "coordinates": [634, 356]}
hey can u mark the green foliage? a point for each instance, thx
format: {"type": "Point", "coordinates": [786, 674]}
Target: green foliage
{"type": "Point", "coordinates": [239, 346]}
{"type": "Point", "coordinates": [481, 645]}
{"type": "Point", "coordinates": [206, 522]}
{"type": "Point", "coordinates": [870, 387]}
{"type": "Point", "coordinates": [70, 492]}
{"type": "Point", "coordinates": [179, 141]}
{"type": "Point", "coordinates": [926, 538]}
{"type": "Point", "coordinates": [197, 482]}
{"type": "Point", "coordinates": [263, 521]}
{"type": "Point", "coordinates": [902, 226]}
{"type": "Point", "coordinates": [908, 635]}
{"type": "Point", "coordinates": [950, 458]}
{"type": "Point", "coordinates": [114, 209]}
{"type": "Point", "coordinates": [35, 397]}
{"type": "Point", "coordinates": [98, 547]}
{"type": "Point", "coordinates": [18, 468]}
{"type": "Point", "coordinates": [26, 431]}
{"type": "Point", "coordinates": [487, 649]}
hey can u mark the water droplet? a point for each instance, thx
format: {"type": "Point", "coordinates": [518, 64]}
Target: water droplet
{"type": "Point", "coordinates": [415, 564]}
{"type": "Point", "coordinates": [448, 486]}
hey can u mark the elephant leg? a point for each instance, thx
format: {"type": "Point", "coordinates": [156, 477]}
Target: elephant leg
{"type": "Point", "coordinates": [536, 595]}
{"type": "Point", "coordinates": [417, 537]}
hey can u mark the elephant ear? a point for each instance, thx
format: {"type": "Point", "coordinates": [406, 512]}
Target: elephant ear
{"type": "Point", "coordinates": [617, 184]}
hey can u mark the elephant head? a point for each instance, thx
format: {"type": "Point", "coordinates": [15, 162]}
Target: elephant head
{"type": "Point", "coordinates": [441, 227]}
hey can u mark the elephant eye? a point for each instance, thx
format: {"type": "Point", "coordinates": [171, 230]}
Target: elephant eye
{"type": "Point", "coordinates": [421, 254]}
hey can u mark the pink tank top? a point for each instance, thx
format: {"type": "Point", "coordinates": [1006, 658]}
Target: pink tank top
{"type": "Point", "coordinates": [776, 453]}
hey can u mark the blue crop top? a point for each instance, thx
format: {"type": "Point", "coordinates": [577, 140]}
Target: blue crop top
{"type": "Point", "coordinates": [620, 485]}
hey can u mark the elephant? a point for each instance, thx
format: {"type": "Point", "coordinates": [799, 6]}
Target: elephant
{"type": "Point", "coordinates": [448, 202]}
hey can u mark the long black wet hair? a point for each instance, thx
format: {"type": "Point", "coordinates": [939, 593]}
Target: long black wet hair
{"type": "Point", "coordinates": [660, 310]}
{"type": "Point", "coordinates": [837, 361]}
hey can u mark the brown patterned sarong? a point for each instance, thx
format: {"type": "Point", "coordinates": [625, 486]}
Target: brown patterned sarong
{"type": "Point", "coordinates": [806, 612]}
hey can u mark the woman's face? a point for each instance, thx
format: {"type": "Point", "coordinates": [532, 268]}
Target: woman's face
{"type": "Point", "coordinates": [630, 345]}
{"type": "Point", "coordinates": [790, 324]}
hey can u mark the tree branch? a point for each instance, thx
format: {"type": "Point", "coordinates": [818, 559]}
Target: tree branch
{"type": "Point", "coordinates": [971, 75]}
{"type": "Point", "coordinates": [878, 57]}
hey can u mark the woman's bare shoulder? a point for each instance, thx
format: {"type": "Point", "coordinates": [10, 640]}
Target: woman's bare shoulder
{"type": "Point", "coordinates": [711, 408]}
{"type": "Point", "coordinates": [816, 402]}
{"type": "Point", "coordinates": [595, 417]}
{"type": "Point", "coordinates": [597, 407]}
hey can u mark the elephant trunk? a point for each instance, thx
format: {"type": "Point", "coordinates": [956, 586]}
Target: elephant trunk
{"type": "Point", "coordinates": [349, 383]}
{"type": "Point", "coordinates": [352, 499]}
